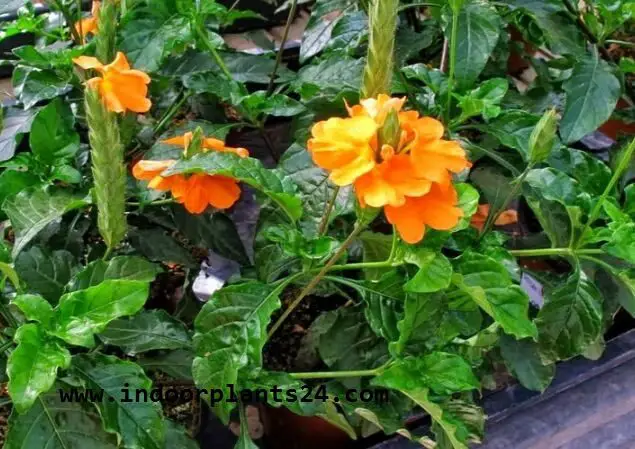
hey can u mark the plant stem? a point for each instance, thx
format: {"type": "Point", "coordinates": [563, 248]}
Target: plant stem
{"type": "Point", "coordinates": [497, 158]}
{"type": "Point", "coordinates": [152, 203]}
{"type": "Point", "coordinates": [617, 174]}
{"type": "Point", "coordinates": [553, 252]}
{"type": "Point", "coordinates": [69, 20]}
{"type": "Point", "coordinates": [203, 35]}
{"type": "Point", "coordinates": [316, 280]}
{"type": "Point", "coordinates": [285, 35]}
{"type": "Point", "coordinates": [171, 112]}
{"type": "Point", "coordinates": [339, 374]}
{"type": "Point", "coordinates": [618, 42]}
{"type": "Point", "coordinates": [327, 212]}
{"type": "Point", "coordinates": [491, 219]}
{"type": "Point", "coordinates": [452, 63]}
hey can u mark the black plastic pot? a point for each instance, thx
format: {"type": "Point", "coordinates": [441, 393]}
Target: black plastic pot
{"type": "Point", "coordinates": [589, 405]}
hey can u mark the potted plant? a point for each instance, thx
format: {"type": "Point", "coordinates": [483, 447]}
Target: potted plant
{"type": "Point", "coordinates": [375, 267]}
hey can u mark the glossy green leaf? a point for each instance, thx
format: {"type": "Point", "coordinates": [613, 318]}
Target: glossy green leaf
{"type": "Point", "coordinates": [138, 424]}
{"type": "Point", "coordinates": [349, 31]}
{"type": "Point", "coordinates": [435, 271]}
{"type": "Point", "coordinates": [15, 123]}
{"type": "Point", "coordinates": [146, 39]}
{"type": "Point", "coordinates": [81, 314]}
{"type": "Point", "coordinates": [278, 105]}
{"type": "Point", "coordinates": [247, 68]}
{"type": "Point", "coordinates": [522, 358]}
{"type": "Point", "coordinates": [468, 203]}
{"type": "Point", "coordinates": [146, 331]}
{"type": "Point", "coordinates": [592, 174]}
{"type": "Point", "coordinates": [420, 326]}
{"type": "Point", "coordinates": [484, 100]}
{"type": "Point", "coordinates": [177, 438]}
{"type": "Point", "coordinates": [46, 273]}
{"type": "Point", "coordinates": [592, 93]}
{"type": "Point", "coordinates": [32, 85]}
{"type": "Point", "coordinates": [513, 130]}
{"type": "Point", "coordinates": [487, 282]}
{"type": "Point", "coordinates": [376, 248]}
{"type": "Point", "coordinates": [31, 210]}
{"type": "Point", "coordinates": [53, 137]}
{"type": "Point", "coordinates": [571, 318]}
{"type": "Point", "coordinates": [176, 364]}
{"type": "Point", "coordinates": [33, 365]}
{"type": "Point", "coordinates": [622, 242]}
{"type": "Point", "coordinates": [332, 75]}
{"type": "Point", "coordinates": [46, 425]}
{"type": "Point", "coordinates": [231, 330]}
{"type": "Point", "coordinates": [130, 268]}
{"type": "Point", "coordinates": [384, 301]}
{"type": "Point", "coordinates": [478, 29]}
{"type": "Point", "coordinates": [273, 183]}
{"type": "Point", "coordinates": [156, 245]}
{"type": "Point", "coordinates": [324, 16]}
{"type": "Point", "coordinates": [34, 308]}
{"type": "Point", "coordinates": [13, 182]}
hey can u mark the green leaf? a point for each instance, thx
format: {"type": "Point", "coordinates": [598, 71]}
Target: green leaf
{"type": "Point", "coordinates": [383, 299]}
{"type": "Point", "coordinates": [156, 245]}
{"type": "Point", "coordinates": [146, 40]}
{"type": "Point", "coordinates": [324, 16]}
{"type": "Point", "coordinates": [376, 247]}
{"type": "Point", "coordinates": [314, 189]}
{"type": "Point", "coordinates": [139, 424]}
{"type": "Point", "coordinates": [130, 268]}
{"type": "Point", "coordinates": [468, 203]}
{"type": "Point", "coordinates": [556, 200]}
{"type": "Point", "coordinates": [435, 271]}
{"type": "Point", "coordinates": [13, 182]}
{"type": "Point", "coordinates": [15, 123]}
{"type": "Point", "coordinates": [592, 174]}
{"type": "Point", "coordinates": [53, 137]}
{"type": "Point", "coordinates": [330, 76]}
{"type": "Point", "coordinates": [484, 100]}
{"type": "Point", "coordinates": [422, 318]}
{"type": "Point", "coordinates": [571, 318]}
{"type": "Point", "coordinates": [487, 282]}
{"type": "Point", "coordinates": [627, 65]}
{"type": "Point", "coordinates": [592, 93]}
{"type": "Point", "coordinates": [278, 105]}
{"type": "Point", "coordinates": [177, 438]}
{"type": "Point", "coordinates": [46, 273]}
{"type": "Point", "coordinates": [81, 314]}
{"type": "Point", "coordinates": [441, 372]}
{"type": "Point", "coordinates": [273, 183]}
{"type": "Point", "coordinates": [478, 29]}
{"type": "Point", "coordinates": [513, 130]}
{"type": "Point", "coordinates": [349, 31]}
{"type": "Point", "coordinates": [47, 423]}
{"type": "Point", "coordinates": [522, 358]}
{"type": "Point", "coordinates": [543, 137]}
{"type": "Point", "coordinates": [31, 210]}
{"type": "Point", "coordinates": [32, 85]}
{"type": "Point", "coordinates": [146, 331]}
{"type": "Point", "coordinates": [347, 342]}
{"type": "Point", "coordinates": [33, 365]}
{"type": "Point", "coordinates": [34, 308]}
{"type": "Point", "coordinates": [231, 330]}
{"type": "Point", "coordinates": [176, 364]}
{"type": "Point", "coordinates": [622, 242]}
{"type": "Point", "coordinates": [247, 68]}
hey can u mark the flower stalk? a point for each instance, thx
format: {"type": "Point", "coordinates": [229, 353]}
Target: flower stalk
{"type": "Point", "coordinates": [106, 38]}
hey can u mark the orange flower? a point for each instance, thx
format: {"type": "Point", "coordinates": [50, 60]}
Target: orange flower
{"type": "Point", "coordinates": [344, 147]}
{"type": "Point", "coordinates": [507, 217]}
{"type": "Point", "coordinates": [411, 177]}
{"type": "Point", "coordinates": [437, 209]}
{"type": "Point", "coordinates": [121, 88]}
{"type": "Point", "coordinates": [198, 191]}
{"type": "Point", "coordinates": [89, 25]}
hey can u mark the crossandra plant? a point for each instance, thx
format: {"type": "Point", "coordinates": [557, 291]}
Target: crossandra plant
{"type": "Point", "coordinates": [387, 243]}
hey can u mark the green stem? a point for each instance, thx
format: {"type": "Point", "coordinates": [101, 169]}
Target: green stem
{"type": "Point", "coordinates": [586, 30]}
{"type": "Point", "coordinates": [617, 174]}
{"type": "Point", "coordinates": [327, 212]}
{"type": "Point", "coordinates": [342, 374]}
{"type": "Point", "coordinates": [497, 158]}
{"type": "Point", "coordinates": [203, 36]}
{"type": "Point", "coordinates": [452, 63]}
{"type": "Point", "coordinates": [491, 219]}
{"type": "Point", "coordinates": [285, 35]}
{"type": "Point", "coordinates": [316, 280]}
{"type": "Point", "coordinates": [553, 252]}
{"type": "Point", "coordinates": [618, 42]}
{"type": "Point", "coordinates": [69, 20]}
{"type": "Point", "coordinates": [107, 253]}
{"type": "Point", "coordinates": [171, 112]}
{"type": "Point", "coordinates": [152, 203]}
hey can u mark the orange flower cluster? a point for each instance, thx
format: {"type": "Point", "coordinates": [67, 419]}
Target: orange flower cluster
{"type": "Point", "coordinates": [121, 88]}
{"type": "Point", "coordinates": [411, 178]}
{"type": "Point", "coordinates": [196, 191]}
{"type": "Point", "coordinates": [479, 219]}
{"type": "Point", "coordinates": [89, 25]}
